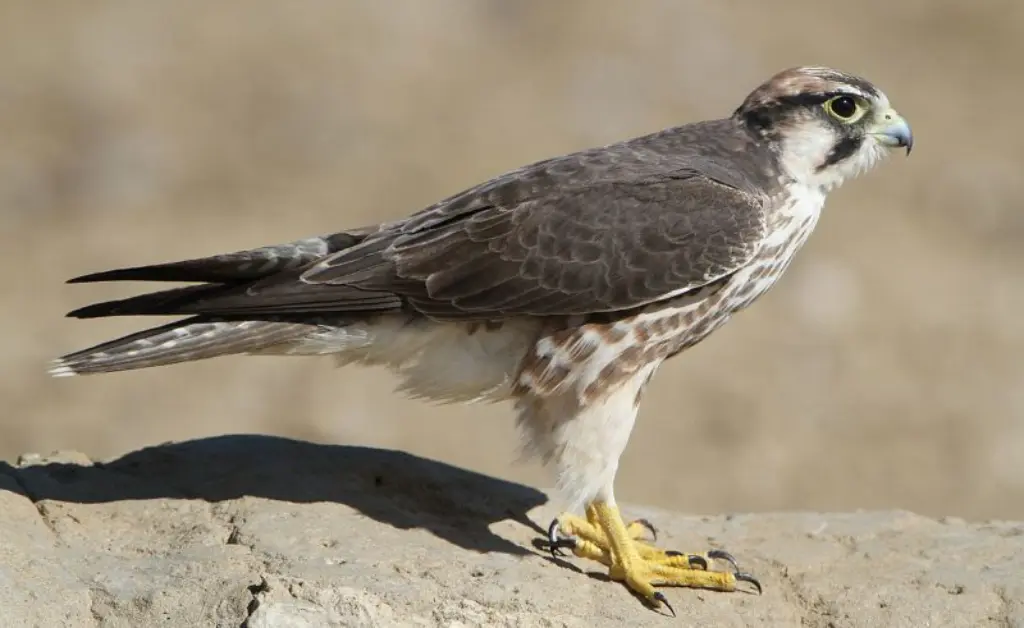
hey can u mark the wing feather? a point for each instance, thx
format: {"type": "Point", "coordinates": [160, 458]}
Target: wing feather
{"type": "Point", "coordinates": [604, 230]}
{"type": "Point", "coordinates": [604, 248]}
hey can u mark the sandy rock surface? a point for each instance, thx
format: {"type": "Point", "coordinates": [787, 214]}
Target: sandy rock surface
{"type": "Point", "coordinates": [266, 532]}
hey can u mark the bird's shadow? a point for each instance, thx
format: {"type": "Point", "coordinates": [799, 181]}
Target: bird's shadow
{"type": "Point", "coordinates": [392, 487]}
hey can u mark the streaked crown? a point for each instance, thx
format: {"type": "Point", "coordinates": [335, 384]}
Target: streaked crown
{"type": "Point", "coordinates": [798, 85]}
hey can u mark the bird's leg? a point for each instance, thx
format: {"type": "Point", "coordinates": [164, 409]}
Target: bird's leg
{"type": "Point", "coordinates": [605, 538]}
{"type": "Point", "coordinates": [586, 538]}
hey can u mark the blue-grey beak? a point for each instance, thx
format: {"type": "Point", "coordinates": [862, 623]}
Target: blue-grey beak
{"type": "Point", "coordinates": [893, 130]}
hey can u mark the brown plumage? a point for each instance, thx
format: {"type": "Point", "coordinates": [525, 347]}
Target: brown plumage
{"type": "Point", "coordinates": [562, 285]}
{"type": "Point", "coordinates": [572, 235]}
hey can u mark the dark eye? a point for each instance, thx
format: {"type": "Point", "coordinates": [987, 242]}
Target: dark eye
{"type": "Point", "coordinates": [843, 107]}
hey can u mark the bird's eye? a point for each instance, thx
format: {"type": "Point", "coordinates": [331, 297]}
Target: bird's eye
{"type": "Point", "coordinates": [844, 108]}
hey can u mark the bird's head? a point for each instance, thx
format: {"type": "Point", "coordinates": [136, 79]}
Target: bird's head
{"type": "Point", "coordinates": [825, 126]}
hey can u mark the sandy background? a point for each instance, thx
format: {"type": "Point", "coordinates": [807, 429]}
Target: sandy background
{"type": "Point", "coordinates": [885, 371]}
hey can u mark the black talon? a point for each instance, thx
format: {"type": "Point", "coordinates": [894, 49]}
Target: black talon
{"type": "Point", "coordinates": [650, 526]}
{"type": "Point", "coordinates": [556, 543]}
{"type": "Point", "coordinates": [745, 577]}
{"type": "Point", "coordinates": [660, 597]}
{"type": "Point", "coordinates": [726, 556]}
{"type": "Point", "coordinates": [561, 544]}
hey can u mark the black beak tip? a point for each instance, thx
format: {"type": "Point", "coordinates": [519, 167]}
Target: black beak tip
{"type": "Point", "coordinates": [907, 139]}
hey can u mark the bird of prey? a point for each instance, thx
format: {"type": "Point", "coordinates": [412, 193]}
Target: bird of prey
{"type": "Point", "coordinates": [560, 286]}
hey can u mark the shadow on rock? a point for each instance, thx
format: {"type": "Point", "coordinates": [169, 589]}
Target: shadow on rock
{"type": "Point", "coordinates": [392, 487]}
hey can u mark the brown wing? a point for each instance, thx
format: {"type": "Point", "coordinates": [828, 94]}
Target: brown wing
{"type": "Point", "coordinates": [605, 247]}
{"type": "Point", "coordinates": [602, 230]}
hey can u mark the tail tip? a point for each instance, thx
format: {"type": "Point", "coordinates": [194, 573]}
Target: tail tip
{"type": "Point", "coordinates": [60, 368]}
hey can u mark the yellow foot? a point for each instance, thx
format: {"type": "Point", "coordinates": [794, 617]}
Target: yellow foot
{"type": "Point", "coordinates": [605, 538]}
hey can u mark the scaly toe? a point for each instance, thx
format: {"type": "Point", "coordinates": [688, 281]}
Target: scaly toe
{"type": "Point", "coordinates": [603, 537]}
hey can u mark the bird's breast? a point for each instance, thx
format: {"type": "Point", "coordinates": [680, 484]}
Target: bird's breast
{"type": "Point", "coordinates": [790, 225]}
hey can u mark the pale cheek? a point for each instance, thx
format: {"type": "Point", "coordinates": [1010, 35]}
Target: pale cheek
{"type": "Point", "coordinates": [807, 148]}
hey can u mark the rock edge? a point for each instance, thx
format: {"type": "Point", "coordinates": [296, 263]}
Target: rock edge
{"type": "Point", "coordinates": [268, 532]}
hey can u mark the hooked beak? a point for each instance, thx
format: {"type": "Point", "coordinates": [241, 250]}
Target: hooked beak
{"type": "Point", "coordinates": [893, 130]}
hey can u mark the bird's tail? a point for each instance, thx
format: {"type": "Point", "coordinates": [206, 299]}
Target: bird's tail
{"type": "Point", "coordinates": [195, 338]}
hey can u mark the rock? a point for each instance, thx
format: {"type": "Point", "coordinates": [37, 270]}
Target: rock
{"type": "Point", "coordinates": [267, 532]}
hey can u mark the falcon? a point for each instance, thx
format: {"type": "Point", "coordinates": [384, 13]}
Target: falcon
{"type": "Point", "coordinates": [561, 287]}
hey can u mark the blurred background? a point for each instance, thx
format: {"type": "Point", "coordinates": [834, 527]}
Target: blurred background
{"type": "Point", "coordinates": [884, 371]}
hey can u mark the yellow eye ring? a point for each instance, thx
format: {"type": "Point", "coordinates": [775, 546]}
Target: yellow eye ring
{"type": "Point", "coordinates": [844, 108]}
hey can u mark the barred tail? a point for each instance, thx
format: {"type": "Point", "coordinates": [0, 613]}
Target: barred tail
{"type": "Point", "coordinates": [182, 341]}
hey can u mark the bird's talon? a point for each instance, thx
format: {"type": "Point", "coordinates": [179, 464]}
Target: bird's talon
{"type": "Point", "coordinates": [649, 526]}
{"type": "Point", "coordinates": [603, 537]}
{"type": "Point", "coordinates": [745, 577]}
{"type": "Point", "coordinates": [557, 543]}
{"type": "Point", "coordinates": [553, 531]}
{"type": "Point", "coordinates": [726, 556]}
{"type": "Point", "coordinates": [660, 598]}
{"type": "Point", "coordinates": [561, 544]}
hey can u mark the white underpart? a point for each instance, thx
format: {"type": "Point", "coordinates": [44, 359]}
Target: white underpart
{"type": "Point", "coordinates": [445, 362]}
{"type": "Point", "coordinates": [583, 442]}
{"type": "Point", "coordinates": [448, 362]}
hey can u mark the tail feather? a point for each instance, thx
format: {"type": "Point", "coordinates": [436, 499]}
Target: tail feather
{"type": "Point", "coordinates": [181, 341]}
{"type": "Point", "coordinates": [162, 302]}
{"type": "Point", "coordinates": [237, 267]}
{"type": "Point", "coordinates": [261, 284]}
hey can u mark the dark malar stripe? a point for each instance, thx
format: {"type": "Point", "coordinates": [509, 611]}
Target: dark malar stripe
{"type": "Point", "coordinates": [843, 149]}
